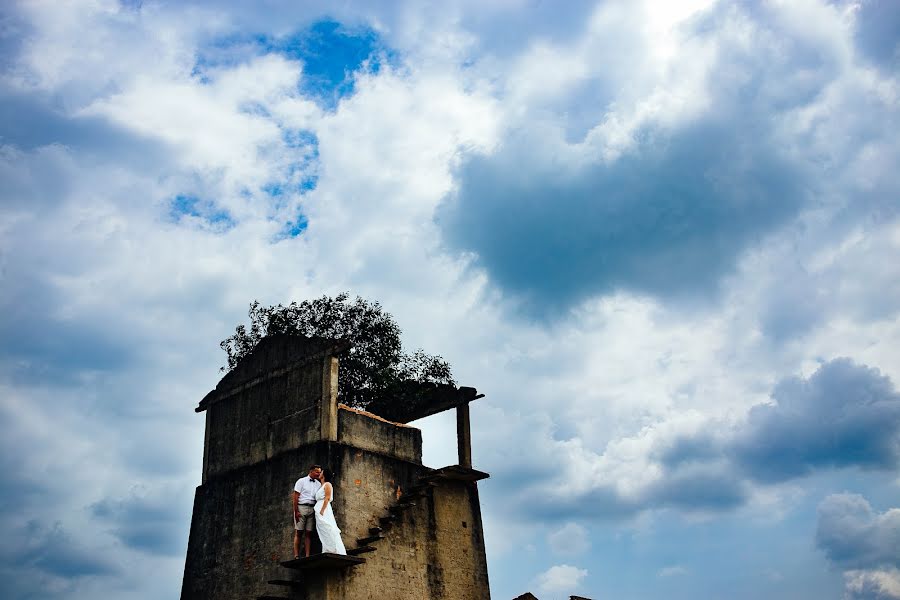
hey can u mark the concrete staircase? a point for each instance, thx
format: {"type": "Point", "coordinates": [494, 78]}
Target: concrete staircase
{"type": "Point", "coordinates": [422, 488]}
{"type": "Point", "coordinates": [395, 511]}
{"type": "Point", "coordinates": [296, 587]}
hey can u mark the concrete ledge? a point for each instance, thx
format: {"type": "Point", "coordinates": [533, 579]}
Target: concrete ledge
{"type": "Point", "coordinates": [286, 583]}
{"type": "Point", "coordinates": [367, 431]}
{"type": "Point", "coordinates": [325, 560]}
{"type": "Point", "coordinates": [456, 473]}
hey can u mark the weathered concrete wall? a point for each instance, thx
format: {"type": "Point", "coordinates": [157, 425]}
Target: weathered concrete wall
{"type": "Point", "coordinates": [367, 484]}
{"type": "Point", "coordinates": [368, 433]}
{"type": "Point", "coordinates": [241, 527]}
{"type": "Point", "coordinates": [263, 420]}
{"type": "Point", "coordinates": [435, 550]}
{"type": "Point", "coordinates": [273, 353]}
{"type": "Point", "coordinates": [459, 553]}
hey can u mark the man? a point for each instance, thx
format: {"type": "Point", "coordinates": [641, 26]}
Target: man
{"type": "Point", "coordinates": [303, 499]}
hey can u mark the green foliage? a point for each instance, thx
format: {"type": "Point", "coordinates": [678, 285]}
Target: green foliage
{"type": "Point", "coordinates": [374, 366]}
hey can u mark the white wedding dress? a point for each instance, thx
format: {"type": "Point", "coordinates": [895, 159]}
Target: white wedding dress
{"type": "Point", "coordinates": [326, 526]}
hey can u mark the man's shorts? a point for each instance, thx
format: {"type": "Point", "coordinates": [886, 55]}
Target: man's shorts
{"type": "Point", "coordinates": [307, 519]}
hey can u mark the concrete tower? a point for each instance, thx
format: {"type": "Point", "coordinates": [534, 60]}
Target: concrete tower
{"type": "Point", "coordinates": [411, 532]}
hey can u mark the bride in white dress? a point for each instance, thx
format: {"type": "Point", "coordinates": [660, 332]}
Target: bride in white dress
{"type": "Point", "coordinates": [326, 526]}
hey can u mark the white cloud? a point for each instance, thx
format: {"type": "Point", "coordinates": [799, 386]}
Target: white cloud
{"type": "Point", "coordinates": [872, 585]}
{"type": "Point", "coordinates": [560, 579]}
{"type": "Point", "coordinates": [672, 571]}
{"type": "Point", "coordinates": [207, 123]}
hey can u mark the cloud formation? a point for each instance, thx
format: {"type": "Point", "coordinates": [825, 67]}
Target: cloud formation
{"type": "Point", "coordinates": [672, 571]}
{"type": "Point", "coordinates": [872, 585]}
{"type": "Point", "coordinates": [853, 536]}
{"type": "Point", "coordinates": [877, 22]}
{"type": "Point", "coordinates": [863, 543]}
{"type": "Point", "coordinates": [697, 199]}
{"type": "Point", "coordinates": [152, 524]}
{"type": "Point", "coordinates": [668, 217]}
{"type": "Point", "coordinates": [662, 198]}
{"type": "Point", "coordinates": [844, 415]}
{"type": "Point", "coordinates": [560, 579]}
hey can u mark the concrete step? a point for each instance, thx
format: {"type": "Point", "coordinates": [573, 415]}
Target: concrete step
{"type": "Point", "coordinates": [368, 540]}
{"type": "Point", "coordinates": [326, 560]}
{"type": "Point", "coordinates": [387, 520]}
{"type": "Point", "coordinates": [361, 550]}
{"type": "Point", "coordinates": [286, 583]}
{"type": "Point", "coordinates": [375, 530]}
{"type": "Point", "coordinates": [421, 487]}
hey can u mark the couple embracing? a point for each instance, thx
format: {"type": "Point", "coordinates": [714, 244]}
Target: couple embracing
{"type": "Point", "coordinates": [311, 501]}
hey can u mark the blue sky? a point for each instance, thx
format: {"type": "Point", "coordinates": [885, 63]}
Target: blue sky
{"type": "Point", "coordinates": [659, 237]}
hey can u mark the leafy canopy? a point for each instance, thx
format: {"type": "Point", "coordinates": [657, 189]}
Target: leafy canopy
{"type": "Point", "coordinates": [372, 369]}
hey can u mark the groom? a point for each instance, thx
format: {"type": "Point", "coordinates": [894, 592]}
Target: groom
{"type": "Point", "coordinates": [303, 499]}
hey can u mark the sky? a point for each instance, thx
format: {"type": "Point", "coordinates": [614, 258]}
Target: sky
{"type": "Point", "coordinates": [660, 237]}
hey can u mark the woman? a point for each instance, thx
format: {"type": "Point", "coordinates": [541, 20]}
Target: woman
{"type": "Point", "coordinates": [326, 526]}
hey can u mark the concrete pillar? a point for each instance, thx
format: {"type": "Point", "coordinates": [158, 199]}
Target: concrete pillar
{"type": "Point", "coordinates": [328, 417]}
{"type": "Point", "coordinates": [206, 447]}
{"type": "Point", "coordinates": [464, 435]}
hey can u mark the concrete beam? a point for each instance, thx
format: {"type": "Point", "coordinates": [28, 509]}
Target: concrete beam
{"type": "Point", "coordinates": [328, 415]}
{"type": "Point", "coordinates": [411, 401]}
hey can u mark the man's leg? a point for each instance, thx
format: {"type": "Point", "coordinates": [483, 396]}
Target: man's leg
{"type": "Point", "coordinates": [307, 537]}
{"type": "Point", "coordinates": [296, 543]}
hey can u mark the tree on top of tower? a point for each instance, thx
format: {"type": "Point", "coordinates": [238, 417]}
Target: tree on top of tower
{"type": "Point", "coordinates": [372, 369]}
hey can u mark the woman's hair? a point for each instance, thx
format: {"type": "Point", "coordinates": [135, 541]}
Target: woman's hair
{"type": "Point", "coordinates": [328, 475]}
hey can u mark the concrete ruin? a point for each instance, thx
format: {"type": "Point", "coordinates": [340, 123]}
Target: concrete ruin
{"type": "Point", "coordinates": [412, 532]}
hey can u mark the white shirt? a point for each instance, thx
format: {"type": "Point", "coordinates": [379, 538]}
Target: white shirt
{"type": "Point", "coordinates": [307, 489]}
